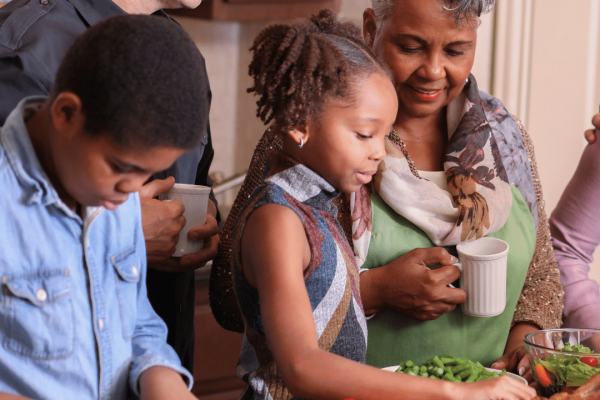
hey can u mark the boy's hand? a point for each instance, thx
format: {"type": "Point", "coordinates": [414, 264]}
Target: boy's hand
{"type": "Point", "coordinates": [162, 383]}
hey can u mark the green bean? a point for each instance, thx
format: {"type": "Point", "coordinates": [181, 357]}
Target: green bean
{"type": "Point", "coordinates": [436, 360]}
{"type": "Point", "coordinates": [466, 373]}
{"type": "Point", "coordinates": [473, 377]}
{"type": "Point", "coordinates": [450, 368]}
{"type": "Point", "coordinates": [460, 368]}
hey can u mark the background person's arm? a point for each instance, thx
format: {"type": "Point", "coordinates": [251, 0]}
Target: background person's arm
{"type": "Point", "coordinates": [16, 82]}
{"type": "Point", "coordinates": [575, 227]}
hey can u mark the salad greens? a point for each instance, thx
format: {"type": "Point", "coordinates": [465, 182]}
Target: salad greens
{"type": "Point", "coordinates": [567, 370]}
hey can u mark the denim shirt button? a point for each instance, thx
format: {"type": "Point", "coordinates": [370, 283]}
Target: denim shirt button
{"type": "Point", "coordinates": [100, 324]}
{"type": "Point", "coordinates": [134, 270]}
{"type": "Point", "coordinates": [4, 279]}
{"type": "Point", "coordinates": [41, 295]}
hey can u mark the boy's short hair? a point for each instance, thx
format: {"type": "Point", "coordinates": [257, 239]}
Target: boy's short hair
{"type": "Point", "coordinates": [141, 82]}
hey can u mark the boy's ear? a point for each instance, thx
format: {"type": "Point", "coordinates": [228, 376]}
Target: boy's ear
{"type": "Point", "coordinates": [67, 113]}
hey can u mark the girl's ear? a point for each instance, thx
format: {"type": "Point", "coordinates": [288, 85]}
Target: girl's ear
{"type": "Point", "coordinates": [369, 27]}
{"type": "Point", "coordinates": [67, 113]}
{"type": "Point", "coordinates": [299, 135]}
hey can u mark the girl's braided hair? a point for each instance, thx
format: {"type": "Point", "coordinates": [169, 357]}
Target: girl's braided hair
{"type": "Point", "coordinates": [297, 68]}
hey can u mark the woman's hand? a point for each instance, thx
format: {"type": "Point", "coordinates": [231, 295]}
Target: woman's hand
{"type": "Point", "coordinates": [515, 357]}
{"type": "Point", "coordinates": [590, 134]}
{"type": "Point", "coordinates": [516, 361]}
{"type": "Point", "coordinates": [410, 287]}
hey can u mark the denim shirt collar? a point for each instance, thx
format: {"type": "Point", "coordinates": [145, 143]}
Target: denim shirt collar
{"type": "Point", "coordinates": [24, 161]}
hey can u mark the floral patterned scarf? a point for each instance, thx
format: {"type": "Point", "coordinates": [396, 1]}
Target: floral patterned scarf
{"type": "Point", "coordinates": [480, 197]}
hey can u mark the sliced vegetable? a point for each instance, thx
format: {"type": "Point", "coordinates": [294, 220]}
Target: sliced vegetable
{"type": "Point", "coordinates": [542, 375]}
{"type": "Point", "coordinates": [591, 361]}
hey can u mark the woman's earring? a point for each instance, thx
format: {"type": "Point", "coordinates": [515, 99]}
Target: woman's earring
{"type": "Point", "coordinates": [301, 142]}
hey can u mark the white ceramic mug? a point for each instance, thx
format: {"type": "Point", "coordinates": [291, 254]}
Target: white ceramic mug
{"type": "Point", "coordinates": [482, 267]}
{"type": "Point", "coordinates": [195, 201]}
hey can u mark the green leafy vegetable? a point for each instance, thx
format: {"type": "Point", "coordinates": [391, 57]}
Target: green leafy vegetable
{"type": "Point", "coordinates": [568, 370]}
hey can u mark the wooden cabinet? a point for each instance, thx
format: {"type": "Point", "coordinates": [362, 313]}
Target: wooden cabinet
{"type": "Point", "coordinates": [216, 352]}
{"type": "Point", "coordinates": [256, 10]}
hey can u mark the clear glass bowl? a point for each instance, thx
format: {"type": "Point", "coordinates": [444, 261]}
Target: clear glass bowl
{"type": "Point", "coordinates": [542, 344]}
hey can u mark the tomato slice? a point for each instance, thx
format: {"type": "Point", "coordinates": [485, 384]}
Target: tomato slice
{"type": "Point", "coordinates": [591, 361]}
{"type": "Point", "coordinates": [542, 375]}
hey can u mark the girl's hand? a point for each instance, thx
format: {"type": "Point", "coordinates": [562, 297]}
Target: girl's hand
{"type": "Point", "coordinates": [516, 361]}
{"type": "Point", "coordinates": [501, 388]}
{"type": "Point", "coordinates": [590, 134]}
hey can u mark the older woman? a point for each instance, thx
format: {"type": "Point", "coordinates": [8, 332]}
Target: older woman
{"type": "Point", "coordinates": [459, 167]}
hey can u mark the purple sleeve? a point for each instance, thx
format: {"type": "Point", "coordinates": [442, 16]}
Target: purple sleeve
{"type": "Point", "coordinates": [575, 228]}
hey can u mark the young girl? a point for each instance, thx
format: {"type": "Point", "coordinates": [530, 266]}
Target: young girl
{"type": "Point", "coordinates": [296, 278]}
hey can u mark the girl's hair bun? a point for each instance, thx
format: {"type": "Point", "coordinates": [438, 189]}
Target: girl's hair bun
{"type": "Point", "coordinates": [326, 22]}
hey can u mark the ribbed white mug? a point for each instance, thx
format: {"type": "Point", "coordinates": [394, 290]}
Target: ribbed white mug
{"type": "Point", "coordinates": [482, 267]}
{"type": "Point", "coordinates": [195, 201]}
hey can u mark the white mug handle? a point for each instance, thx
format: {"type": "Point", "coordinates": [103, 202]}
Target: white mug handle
{"type": "Point", "coordinates": [459, 265]}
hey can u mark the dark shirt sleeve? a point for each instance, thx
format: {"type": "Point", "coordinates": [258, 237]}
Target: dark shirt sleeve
{"type": "Point", "coordinates": [202, 177]}
{"type": "Point", "coordinates": [16, 83]}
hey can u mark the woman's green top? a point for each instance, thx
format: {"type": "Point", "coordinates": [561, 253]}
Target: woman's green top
{"type": "Point", "coordinates": [394, 337]}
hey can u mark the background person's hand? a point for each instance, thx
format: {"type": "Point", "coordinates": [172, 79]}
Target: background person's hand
{"type": "Point", "coordinates": [209, 232]}
{"type": "Point", "coordinates": [161, 220]}
{"type": "Point", "coordinates": [410, 287]}
{"type": "Point", "coordinates": [517, 362]}
{"type": "Point", "coordinates": [590, 134]}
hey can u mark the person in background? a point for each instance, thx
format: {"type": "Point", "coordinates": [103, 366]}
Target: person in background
{"type": "Point", "coordinates": [34, 36]}
{"type": "Point", "coordinates": [333, 104]}
{"type": "Point", "coordinates": [575, 228]}
{"type": "Point", "coordinates": [76, 320]}
{"type": "Point", "coordinates": [457, 169]}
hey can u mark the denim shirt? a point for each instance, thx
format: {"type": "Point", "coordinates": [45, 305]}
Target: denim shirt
{"type": "Point", "coordinates": [75, 320]}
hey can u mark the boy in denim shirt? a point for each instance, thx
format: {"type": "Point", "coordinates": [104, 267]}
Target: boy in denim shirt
{"type": "Point", "coordinates": [75, 321]}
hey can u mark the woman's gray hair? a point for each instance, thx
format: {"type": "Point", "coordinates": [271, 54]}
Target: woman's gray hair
{"type": "Point", "coordinates": [462, 9]}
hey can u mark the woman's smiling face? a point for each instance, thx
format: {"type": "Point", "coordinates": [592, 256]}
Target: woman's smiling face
{"type": "Point", "coordinates": [429, 55]}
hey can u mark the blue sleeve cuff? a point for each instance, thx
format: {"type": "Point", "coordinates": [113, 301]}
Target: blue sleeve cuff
{"type": "Point", "coordinates": [149, 360]}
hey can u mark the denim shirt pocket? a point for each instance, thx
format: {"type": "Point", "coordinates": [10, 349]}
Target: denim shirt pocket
{"type": "Point", "coordinates": [128, 267]}
{"type": "Point", "coordinates": [39, 315]}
